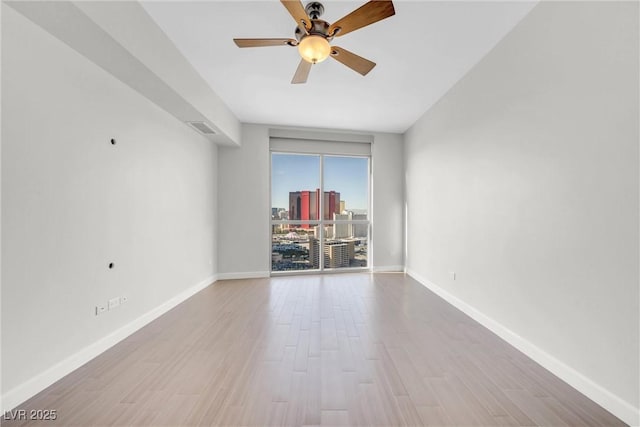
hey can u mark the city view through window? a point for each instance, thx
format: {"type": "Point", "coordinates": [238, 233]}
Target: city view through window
{"type": "Point", "coordinates": [319, 220]}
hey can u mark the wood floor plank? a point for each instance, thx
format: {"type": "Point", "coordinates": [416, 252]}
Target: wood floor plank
{"type": "Point", "coordinates": [434, 416]}
{"type": "Point", "coordinates": [341, 349]}
{"type": "Point", "coordinates": [328, 334]}
{"type": "Point", "coordinates": [453, 403]}
{"type": "Point", "coordinates": [302, 352]}
{"type": "Point", "coordinates": [296, 406]}
{"type": "Point", "coordinates": [313, 392]}
{"type": "Point", "coordinates": [372, 404]}
{"type": "Point", "coordinates": [349, 323]}
{"type": "Point", "coordinates": [387, 400]}
{"type": "Point", "coordinates": [535, 408]}
{"type": "Point", "coordinates": [294, 331]}
{"type": "Point", "coordinates": [314, 339]}
{"type": "Point", "coordinates": [333, 396]}
{"type": "Point", "coordinates": [334, 418]}
{"type": "Point", "coordinates": [345, 354]}
{"type": "Point", "coordinates": [409, 412]}
{"type": "Point", "coordinates": [364, 366]}
{"type": "Point", "coordinates": [387, 369]}
{"type": "Point", "coordinates": [419, 391]}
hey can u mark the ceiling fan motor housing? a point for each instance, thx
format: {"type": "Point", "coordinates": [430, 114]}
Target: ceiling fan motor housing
{"type": "Point", "coordinates": [318, 28]}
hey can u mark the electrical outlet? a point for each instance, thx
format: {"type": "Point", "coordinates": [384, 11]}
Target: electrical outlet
{"type": "Point", "coordinates": [113, 303]}
{"type": "Point", "coordinates": [123, 300]}
{"type": "Point", "coordinates": [100, 309]}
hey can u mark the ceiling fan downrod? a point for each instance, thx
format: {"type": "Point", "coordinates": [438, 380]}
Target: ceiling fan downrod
{"type": "Point", "coordinates": [315, 9]}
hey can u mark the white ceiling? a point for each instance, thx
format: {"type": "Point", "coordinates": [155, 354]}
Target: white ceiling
{"type": "Point", "coordinates": [421, 52]}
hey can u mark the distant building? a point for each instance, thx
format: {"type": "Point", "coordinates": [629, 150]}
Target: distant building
{"type": "Point", "coordinates": [337, 253]}
{"type": "Point", "coordinates": [314, 252]}
{"type": "Point", "coordinates": [343, 206]}
{"type": "Point", "coordinates": [328, 232]}
{"type": "Point", "coordinates": [360, 230]}
{"type": "Point", "coordinates": [341, 230]}
{"type": "Point", "coordinates": [351, 249]}
{"type": "Point", "coordinates": [305, 205]}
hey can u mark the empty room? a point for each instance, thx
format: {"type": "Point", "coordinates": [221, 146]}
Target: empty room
{"type": "Point", "coordinates": [334, 213]}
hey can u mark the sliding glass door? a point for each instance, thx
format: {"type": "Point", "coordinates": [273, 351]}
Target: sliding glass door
{"type": "Point", "coordinates": [319, 212]}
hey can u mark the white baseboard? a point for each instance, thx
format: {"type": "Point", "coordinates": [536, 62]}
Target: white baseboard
{"type": "Point", "coordinates": [388, 269]}
{"type": "Point", "coordinates": [35, 385]}
{"type": "Point", "coordinates": [603, 397]}
{"type": "Point", "coordinates": [243, 275]}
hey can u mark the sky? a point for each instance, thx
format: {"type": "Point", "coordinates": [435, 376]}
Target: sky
{"type": "Point", "coordinates": [295, 172]}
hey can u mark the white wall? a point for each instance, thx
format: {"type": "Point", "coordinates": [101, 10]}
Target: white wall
{"type": "Point", "coordinates": [125, 41]}
{"type": "Point", "coordinates": [72, 203]}
{"type": "Point", "coordinates": [388, 202]}
{"type": "Point", "coordinates": [244, 215]}
{"type": "Point", "coordinates": [523, 180]}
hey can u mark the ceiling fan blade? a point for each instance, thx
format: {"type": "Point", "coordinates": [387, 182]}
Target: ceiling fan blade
{"type": "Point", "coordinates": [302, 72]}
{"type": "Point", "coordinates": [369, 13]}
{"type": "Point", "coordinates": [351, 60]}
{"type": "Point", "coordinates": [264, 42]}
{"type": "Point", "coordinates": [296, 10]}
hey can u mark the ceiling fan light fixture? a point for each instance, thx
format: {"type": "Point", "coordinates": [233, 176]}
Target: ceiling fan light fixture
{"type": "Point", "coordinates": [314, 48]}
{"type": "Point", "coordinates": [313, 35]}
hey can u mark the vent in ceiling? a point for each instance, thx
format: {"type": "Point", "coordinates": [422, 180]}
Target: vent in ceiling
{"type": "Point", "coordinates": [203, 128]}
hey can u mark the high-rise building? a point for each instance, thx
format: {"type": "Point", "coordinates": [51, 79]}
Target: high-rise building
{"type": "Point", "coordinates": [294, 205]}
{"type": "Point", "coordinates": [337, 254]}
{"type": "Point", "coordinates": [351, 249]}
{"type": "Point", "coordinates": [314, 252]}
{"type": "Point", "coordinates": [328, 232]}
{"type": "Point", "coordinates": [331, 204]}
{"type": "Point", "coordinates": [341, 230]}
{"type": "Point", "coordinates": [343, 206]}
{"type": "Point", "coordinates": [302, 206]}
{"type": "Point", "coordinates": [305, 205]}
{"type": "Point", "coordinates": [360, 230]}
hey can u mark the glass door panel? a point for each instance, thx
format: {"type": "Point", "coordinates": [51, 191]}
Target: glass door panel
{"type": "Point", "coordinates": [346, 184]}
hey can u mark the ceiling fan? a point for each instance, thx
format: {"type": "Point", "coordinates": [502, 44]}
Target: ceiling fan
{"type": "Point", "coordinates": [313, 35]}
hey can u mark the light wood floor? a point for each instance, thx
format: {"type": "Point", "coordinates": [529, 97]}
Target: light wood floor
{"type": "Point", "coordinates": [349, 349]}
